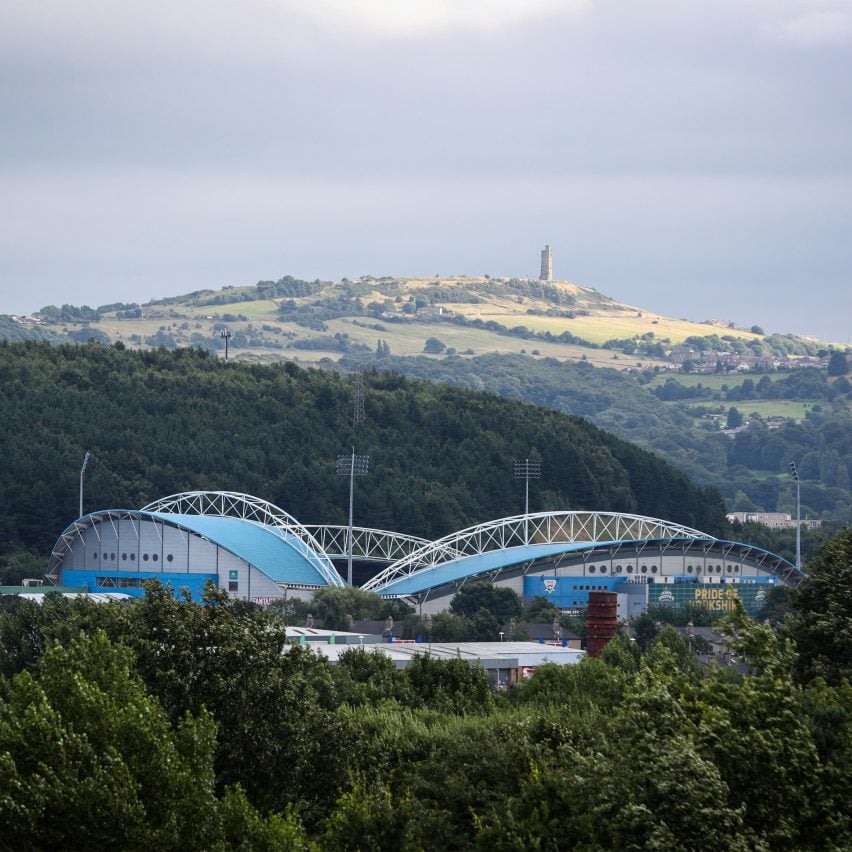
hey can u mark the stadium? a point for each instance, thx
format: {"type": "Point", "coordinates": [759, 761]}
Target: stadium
{"type": "Point", "coordinates": [258, 552]}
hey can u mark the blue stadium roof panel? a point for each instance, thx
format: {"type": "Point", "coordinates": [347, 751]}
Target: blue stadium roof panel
{"type": "Point", "coordinates": [268, 548]}
{"type": "Point", "coordinates": [476, 564]}
{"type": "Point", "coordinates": [469, 566]}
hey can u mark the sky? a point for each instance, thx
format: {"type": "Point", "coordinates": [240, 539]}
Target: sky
{"type": "Point", "coordinates": [691, 158]}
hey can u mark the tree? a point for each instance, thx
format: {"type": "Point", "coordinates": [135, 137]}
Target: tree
{"type": "Point", "coordinates": [434, 346]}
{"type": "Point", "coordinates": [90, 760]}
{"type": "Point", "coordinates": [451, 686]}
{"type": "Point", "coordinates": [821, 623]}
{"type": "Point", "coordinates": [838, 364]}
{"type": "Point", "coordinates": [504, 604]}
{"type": "Point", "coordinates": [367, 817]}
{"type": "Point", "coordinates": [645, 630]}
{"type": "Point", "coordinates": [540, 610]}
{"type": "Point", "coordinates": [756, 329]}
{"type": "Point", "coordinates": [735, 419]}
{"type": "Point", "coordinates": [333, 606]}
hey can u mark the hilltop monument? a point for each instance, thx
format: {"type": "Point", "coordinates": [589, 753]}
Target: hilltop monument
{"type": "Point", "coordinates": [546, 264]}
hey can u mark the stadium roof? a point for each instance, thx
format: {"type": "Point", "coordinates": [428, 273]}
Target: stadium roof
{"type": "Point", "coordinates": [276, 552]}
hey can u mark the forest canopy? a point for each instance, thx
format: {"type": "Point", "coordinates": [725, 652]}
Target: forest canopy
{"type": "Point", "coordinates": [160, 422]}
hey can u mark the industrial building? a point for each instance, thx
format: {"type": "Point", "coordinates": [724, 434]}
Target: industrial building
{"type": "Point", "coordinates": [258, 552]}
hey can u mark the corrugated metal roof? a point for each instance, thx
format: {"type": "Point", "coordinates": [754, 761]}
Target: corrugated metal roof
{"type": "Point", "coordinates": [490, 654]}
{"type": "Point", "coordinates": [267, 548]}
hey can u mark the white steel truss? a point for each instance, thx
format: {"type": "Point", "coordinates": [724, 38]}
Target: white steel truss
{"type": "Point", "coordinates": [540, 528]}
{"type": "Point", "coordinates": [235, 505]}
{"type": "Point", "coordinates": [367, 544]}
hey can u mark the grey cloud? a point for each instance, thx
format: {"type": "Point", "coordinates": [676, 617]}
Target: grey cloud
{"type": "Point", "coordinates": [673, 153]}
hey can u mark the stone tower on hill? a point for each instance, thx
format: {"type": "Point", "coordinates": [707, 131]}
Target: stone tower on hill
{"type": "Point", "coordinates": [546, 264]}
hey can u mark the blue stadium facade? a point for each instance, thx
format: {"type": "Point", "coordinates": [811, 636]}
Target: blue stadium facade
{"type": "Point", "coordinates": [258, 552]}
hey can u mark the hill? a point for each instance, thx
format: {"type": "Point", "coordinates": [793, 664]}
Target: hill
{"type": "Point", "coordinates": [803, 415]}
{"type": "Point", "coordinates": [159, 422]}
{"type": "Point", "coordinates": [311, 320]}
{"type": "Point", "coordinates": [532, 340]}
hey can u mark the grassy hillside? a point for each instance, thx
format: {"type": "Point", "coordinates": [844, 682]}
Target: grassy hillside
{"type": "Point", "coordinates": [309, 321]}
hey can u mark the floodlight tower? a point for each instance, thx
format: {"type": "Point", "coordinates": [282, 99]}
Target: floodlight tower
{"type": "Point", "coordinates": [351, 466]}
{"type": "Point", "coordinates": [82, 471]}
{"type": "Point", "coordinates": [795, 473]}
{"type": "Point", "coordinates": [226, 336]}
{"type": "Point", "coordinates": [527, 469]}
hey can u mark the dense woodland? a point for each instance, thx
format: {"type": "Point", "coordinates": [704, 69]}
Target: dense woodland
{"type": "Point", "coordinates": [159, 422]}
{"type": "Point", "coordinates": [163, 724]}
{"type": "Point", "coordinates": [160, 723]}
{"type": "Point", "coordinates": [750, 470]}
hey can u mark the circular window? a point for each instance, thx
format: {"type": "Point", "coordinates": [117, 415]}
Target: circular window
{"type": "Point", "coordinates": [94, 555]}
{"type": "Point", "coordinates": [124, 557]}
{"type": "Point", "coordinates": [170, 557]}
{"type": "Point", "coordinates": [644, 569]}
{"type": "Point", "coordinates": [736, 569]}
{"type": "Point", "coordinates": [112, 556]}
{"type": "Point", "coordinates": [629, 569]}
{"type": "Point", "coordinates": [132, 557]}
{"type": "Point", "coordinates": [653, 569]}
{"type": "Point", "coordinates": [155, 557]}
{"type": "Point", "coordinates": [697, 569]}
{"type": "Point", "coordinates": [591, 569]}
{"type": "Point", "coordinates": [688, 569]}
{"type": "Point", "coordinates": [730, 569]}
{"type": "Point", "coordinates": [603, 569]}
{"type": "Point", "coordinates": [144, 557]}
{"type": "Point", "coordinates": [618, 569]}
{"type": "Point", "coordinates": [718, 569]}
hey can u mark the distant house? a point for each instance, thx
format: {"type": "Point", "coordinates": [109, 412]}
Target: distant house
{"type": "Point", "coordinates": [681, 353]}
{"type": "Point", "coordinates": [773, 520]}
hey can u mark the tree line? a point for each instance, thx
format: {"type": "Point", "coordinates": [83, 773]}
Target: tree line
{"type": "Point", "coordinates": [160, 422]}
{"type": "Point", "coordinates": [185, 726]}
{"type": "Point", "coordinates": [617, 402]}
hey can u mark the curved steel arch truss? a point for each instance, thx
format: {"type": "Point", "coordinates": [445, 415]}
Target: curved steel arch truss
{"type": "Point", "coordinates": [244, 506]}
{"type": "Point", "coordinates": [367, 544]}
{"type": "Point", "coordinates": [542, 528]}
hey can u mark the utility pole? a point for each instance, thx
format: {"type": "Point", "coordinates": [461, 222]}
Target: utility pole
{"type": "Point", "coordinates": [226, 336]}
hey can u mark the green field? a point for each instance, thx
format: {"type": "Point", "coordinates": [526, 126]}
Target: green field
{"type": "Point", "coordinates": [768, 408]}
{"type": "Point", "coordinates": [714, 381]}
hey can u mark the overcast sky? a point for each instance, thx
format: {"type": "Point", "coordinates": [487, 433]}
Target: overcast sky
{"type": "Point", "coordinates": [693, 158]}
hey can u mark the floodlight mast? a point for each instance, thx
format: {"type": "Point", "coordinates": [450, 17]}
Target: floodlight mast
{"type": "Point", "coordinates": [226, 336]}
{"type": "Point", "coordinates": [795, 473]}
{"type": "Point", "coordinates": [82, 471]}
{"type": "Point", "coordinates": [351, 466]}
{"type": "Point", "coordinates": [527, 469]}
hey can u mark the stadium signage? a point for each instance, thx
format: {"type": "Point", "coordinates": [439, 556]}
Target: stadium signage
{"type": "Point", "coordinates": [716, 599]}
